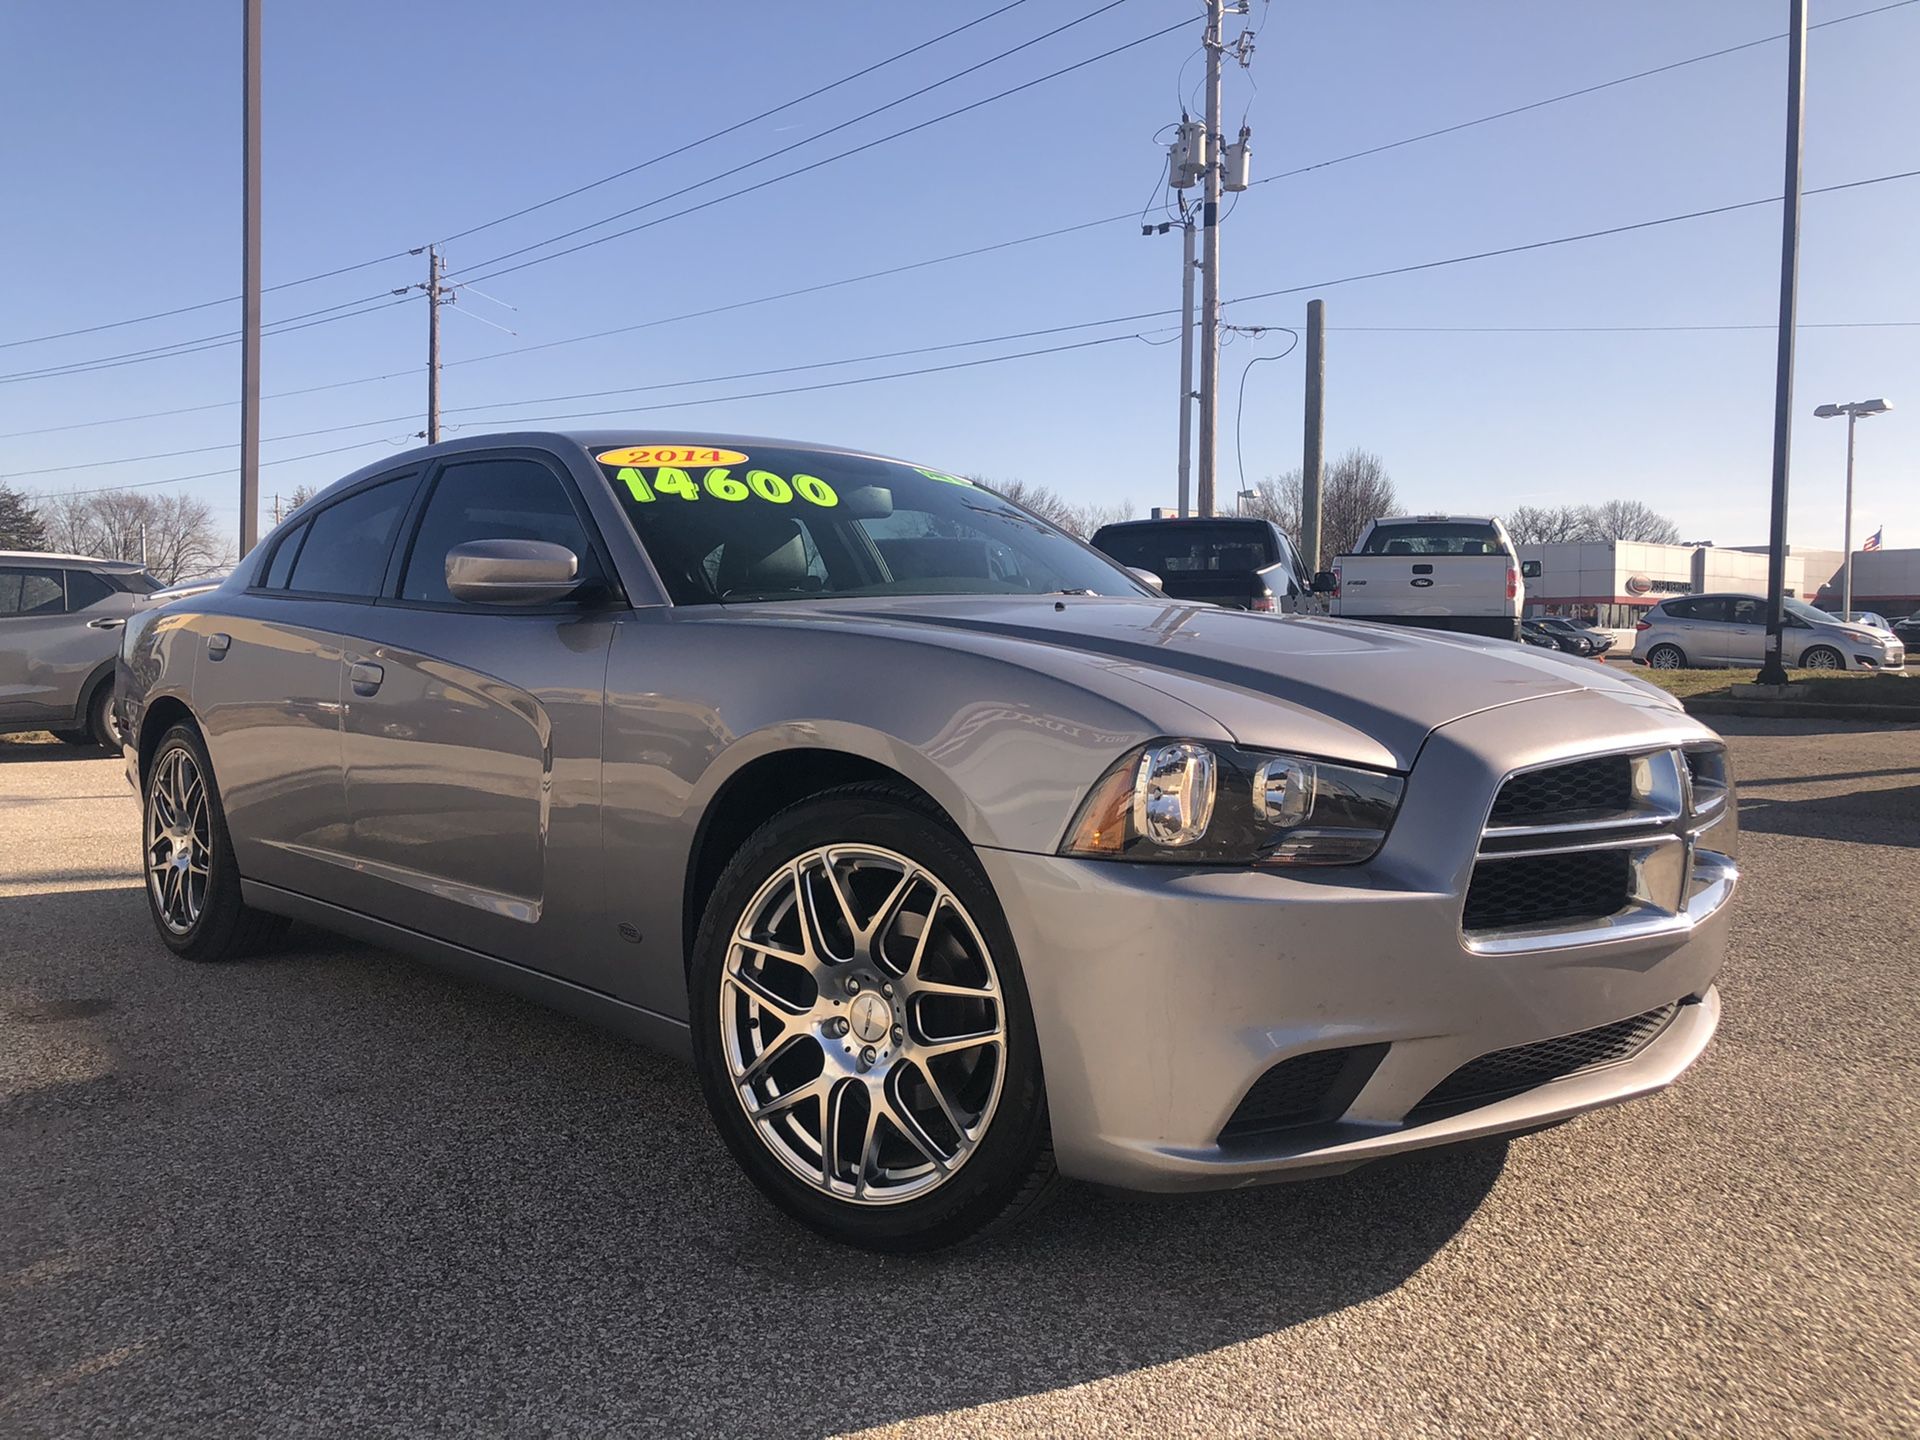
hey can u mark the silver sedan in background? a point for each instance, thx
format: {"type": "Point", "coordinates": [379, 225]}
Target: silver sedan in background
{"type": "Point", "coordinates": [957, 859]}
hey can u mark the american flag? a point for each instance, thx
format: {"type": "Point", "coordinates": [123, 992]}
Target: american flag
{"type": "Point", "coordinates": [1873, 541]}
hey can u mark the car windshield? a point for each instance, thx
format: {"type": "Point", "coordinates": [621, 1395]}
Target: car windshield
{"type": "Point", "coordinates": [1435, 537]}
{"type": "Point", "coordinates": [762, 523]}
{"type": "Point", "coordinates": [1190, 547]}
{"type": "Point", "coordinates": [1800, 610]}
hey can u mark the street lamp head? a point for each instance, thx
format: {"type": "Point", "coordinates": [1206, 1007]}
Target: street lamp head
{"type": "Point", "coordinates": [1855, 408]}
{"type": "Point", "coordinates": [1827, 412]}
{"type": "Point", "coordinates": [1871, 407]}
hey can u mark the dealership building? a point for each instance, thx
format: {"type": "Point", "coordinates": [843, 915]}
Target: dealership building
{"type": "Point", "coordinates": [1612, 583]}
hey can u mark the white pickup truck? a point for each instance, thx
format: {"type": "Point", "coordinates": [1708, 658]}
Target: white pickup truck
{"type": "Point", "coordinates": [1438, 572]}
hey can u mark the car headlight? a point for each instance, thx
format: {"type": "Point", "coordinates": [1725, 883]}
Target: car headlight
{"type": "Point", "coordinates": [1182, 802]}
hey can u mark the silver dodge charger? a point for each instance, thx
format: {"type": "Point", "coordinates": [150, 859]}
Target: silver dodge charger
{"type": "Point", "coordinates": [957, 857]}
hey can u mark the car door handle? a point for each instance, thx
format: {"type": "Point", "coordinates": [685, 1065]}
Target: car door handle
{"type": "Point", "coordinates": [366, 677]}
{"type": "Point", "coordinates": [106, 622]}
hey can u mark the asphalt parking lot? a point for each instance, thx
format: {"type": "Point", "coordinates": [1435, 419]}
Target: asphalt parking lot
{"type": "Point", "coordinates": [335, 1192]}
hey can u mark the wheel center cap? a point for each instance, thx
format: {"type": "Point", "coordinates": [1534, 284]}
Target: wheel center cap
{"type": "Point", "coordinates": [870, 1017]}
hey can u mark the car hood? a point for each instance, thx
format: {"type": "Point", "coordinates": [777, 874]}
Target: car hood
{"type": "Point", "coordinates": [1256, 674]}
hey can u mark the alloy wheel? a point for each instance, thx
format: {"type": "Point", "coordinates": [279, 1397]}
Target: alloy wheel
{"type": "Point", "coordinates": [1664, 657]}
{"type": "Point", "coordinates": [862, 1024]}
{"type": "Point", "coordinates": [1820, 658]}
{"type": "Point", "coordinates": [179, 840]}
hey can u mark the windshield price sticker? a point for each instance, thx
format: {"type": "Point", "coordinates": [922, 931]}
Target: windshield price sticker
{"type": "Point", "coordinates": [944, 478]}
{"type": "Point", "coordinates": [651, 455]}
{"type": "Point", "coordinates": [721, 483]}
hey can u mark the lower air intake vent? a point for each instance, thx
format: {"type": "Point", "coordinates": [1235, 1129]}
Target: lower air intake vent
{"type": "Point", "coordinates": [1508, 1072]}
{"type": "Point", "coordinates": [1305, 1090]}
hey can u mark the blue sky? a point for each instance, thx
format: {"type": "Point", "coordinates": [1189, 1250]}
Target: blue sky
{"type": "Point", "coordinates": [387, 126]}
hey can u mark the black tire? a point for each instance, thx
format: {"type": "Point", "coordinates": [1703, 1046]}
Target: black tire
{"type": "Point", "coordinates": [1667, 657]}
{"type": "Point", "coordinates": [1822, 657]}
{"type": "Point", "coordinates": [102, 729]}
{"type": "Point", "coordinates": [1010, 1170]}
{"type": "Point", "coordinates": [225, 928]}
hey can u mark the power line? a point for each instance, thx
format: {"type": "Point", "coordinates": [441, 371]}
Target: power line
{"type": "Point", "coordinates": [831, 159]}
{"type": "Point", "coordinates": [1574, 94]}
{"type": "Point", "coordinates": [706, 180]}
{"type": "Point", "coordinates": [730, 129]}
{"type": "Point", "coordinates": [1145, 315]}
{"type": "Point", "coordinates": [1568, 239]}
{"type": "Point", "coordinates": [1616, 329]}
{"type": "Point", "coordinates": [207, 304]}
{"type": "Point", "coordinates": [195, 347]}
{"type": "Point", "coordinates": [1317, 165]}
{"type": "Point", "coordinates": [540, 205]}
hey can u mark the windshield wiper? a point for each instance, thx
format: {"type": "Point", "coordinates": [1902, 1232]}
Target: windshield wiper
{"type": "Point", "coordinates": [1070, 592]}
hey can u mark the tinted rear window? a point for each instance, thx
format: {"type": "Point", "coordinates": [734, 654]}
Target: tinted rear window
{"type": "Point", "coordinates": [1190, 547]}
{"type": "Point", "coordinates": [85, 588]}
{"type": "Point", "coordinates": [1449, 537]}
{"type": "Point", "coordinates": [349, 541]}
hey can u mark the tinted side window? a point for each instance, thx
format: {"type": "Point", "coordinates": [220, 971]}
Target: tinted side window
{"type": "Point", "coordinates": [31, 592]}
{"type": "Point", "coordinates": [1679, 609]}
{"type": "Point", "coordinates": [348, 542]}
{"type": "Point", "coordinates": [1714, 610]}
{"type": "Point", "coordinates": [1749, 612]}
{"type": "Point", "coordinates": [508, 499]}
{"type": "Point", "coordinates": [284, 554]}
{"type": "Point", "coordinates": [85, 588]}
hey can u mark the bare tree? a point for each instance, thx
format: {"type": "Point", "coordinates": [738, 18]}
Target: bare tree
{"type": "Point", "coordinates": [173, 535]}
{"type": "Point", "coordinates": [1356, 489]}
{"type": "Point", "coordinates": [1548, 524]}
{"type": "Point", "coordinates": [20, 526]}
{"type": "Point", "coordinates": [1630, 520]}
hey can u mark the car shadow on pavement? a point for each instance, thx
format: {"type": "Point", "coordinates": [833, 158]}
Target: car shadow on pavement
{"type": "Point", "coordinates": [13, 752]}
{"type": "Point", "coordinates": [344, 1191]}
{"type": "Point", "coordinates": [1866, 817]}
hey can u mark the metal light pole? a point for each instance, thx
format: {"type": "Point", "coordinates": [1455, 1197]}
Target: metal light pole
{"type": "Point", "coordinates": [1772, 670]}
{"type": "Point", "coordinates": [1186, 366]}
{"type": "Point", "coordinates": [250, 278]}
{"type": "Point", "coordinates": [1853, 410]}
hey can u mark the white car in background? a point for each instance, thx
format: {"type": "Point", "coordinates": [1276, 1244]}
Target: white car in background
{"type": "Point", "coordinates": [1704, 631]}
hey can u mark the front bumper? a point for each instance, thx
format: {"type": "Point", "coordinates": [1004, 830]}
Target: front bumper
{"type": "Point", "coordinates": [1161, 995]}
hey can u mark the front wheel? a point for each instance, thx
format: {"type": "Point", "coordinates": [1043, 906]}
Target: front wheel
{"type": "Point", "coordinates": [1822, 657]}
{"type": "Point", "coordinates": [1666, 657]}
{"type": "Point", "coordinates": [861, 1027]}
{"type": "Point", "coordinates": [193, 885]}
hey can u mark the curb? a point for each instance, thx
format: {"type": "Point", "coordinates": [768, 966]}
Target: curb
{"type": "Point", "coordinates": [1802, 710]}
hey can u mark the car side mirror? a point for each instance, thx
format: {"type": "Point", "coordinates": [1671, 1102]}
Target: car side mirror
{"type": "Point", "coordinates": [1529, 569]}
{"type": "Point", "coordinates": [1325, 582]}
{"type": "Point", "coordinates": [1146, 578]}
{"type": "Point", "coordinates": [512, 572]}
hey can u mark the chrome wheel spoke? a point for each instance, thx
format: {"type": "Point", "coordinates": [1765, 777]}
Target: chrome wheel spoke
{"type": "Point", "coordinates": [862, 922]}
{"type": "Point", "coordinates": [954, 1045]}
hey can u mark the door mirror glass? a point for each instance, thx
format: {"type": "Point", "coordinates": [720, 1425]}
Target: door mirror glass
{"type": "Point", "coordinates": [1325, 582]}
{"type": "Point", "coordinates": [512, 572]}
{"type": "Point", "coordinates": [1530, 569]}
{"type": "Point", "coordinates": [1146, 577]}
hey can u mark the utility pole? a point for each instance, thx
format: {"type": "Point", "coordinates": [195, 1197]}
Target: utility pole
{"type": "Point", "coordinates": [1846, 539]}
{"type": "Point", "coordinates": [1772, 670]}
{"type": "Point", "coordinates": [250, 278]}
{"type": "Point", "coordinates": [1313, 448]}
{"type": "Point", "coordinates": [436, 293]}
{"type": "Point", "coordinates": [1186, 366]}
{"type": "Point", "coordinates": [1210, 269]}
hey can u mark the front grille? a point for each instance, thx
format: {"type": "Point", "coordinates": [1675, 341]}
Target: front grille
{"type": "Point", "coordinates": [1543, 889]}
{"type": "Point", "coordinates": [1603, 783]}
{"type": "Point", "coordinates": [1304, 1090]}
{"type": "Point", "coordinates": [1508, 1072]}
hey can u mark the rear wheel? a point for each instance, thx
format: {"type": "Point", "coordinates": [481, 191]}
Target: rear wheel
{"type": "Point", "coordinates": [193, 886]}
{"type": "Point", "coordinates": [1822, 657]}
{"type": "Point", "coordinates": [861, 1027]}
{"type": "Point", "coordinates": [1666, 657]}
{"type": "Point", "coordinates": [102, 725]}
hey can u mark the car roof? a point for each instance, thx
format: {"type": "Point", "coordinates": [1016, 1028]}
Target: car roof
{"type": "Point", "coordinates": [599, 439]}
{"type": "Point", "coordinates": [54, 557]}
